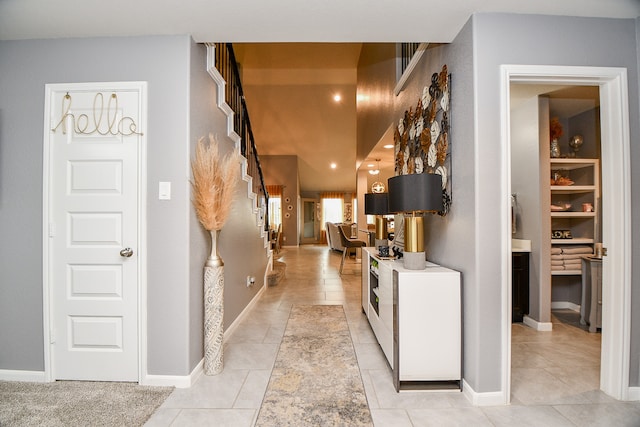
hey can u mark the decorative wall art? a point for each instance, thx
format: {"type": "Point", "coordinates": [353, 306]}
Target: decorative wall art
{"type": "Point", "coordinates": [422, 135]}
{"type": "Point", "coordinates": [106, 119]}
{"type": "Point", "coordinates": [348, 212]}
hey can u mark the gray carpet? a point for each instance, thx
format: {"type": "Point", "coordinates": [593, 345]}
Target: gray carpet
{"type": "Point", "coordinates": [78, 403]}
{"type": "Point", "coordinates": [315, 380]}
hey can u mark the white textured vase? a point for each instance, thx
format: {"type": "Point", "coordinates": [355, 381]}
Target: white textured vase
{"type": "Point", "coordinates": [213, 309]}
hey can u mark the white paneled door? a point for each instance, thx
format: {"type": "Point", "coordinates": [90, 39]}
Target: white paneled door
{"type": "Point", "coordinates": [94, 143]}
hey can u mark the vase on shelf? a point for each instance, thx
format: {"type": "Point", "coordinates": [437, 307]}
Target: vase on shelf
{"type": "Point", "coordinates": [576, 142]}
{"type": "Point", "coordinates": [555, 149]}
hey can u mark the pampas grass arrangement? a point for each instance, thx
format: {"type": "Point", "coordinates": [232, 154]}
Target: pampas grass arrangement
{"type": "Point", "coordinates": [214, 182]}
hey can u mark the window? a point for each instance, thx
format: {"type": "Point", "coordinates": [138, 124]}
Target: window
{"type": "Point", "coordinates": [275, 212]}
{"type": "Point", "coordinates": [275, 205]}
{"type": "Point", "coordinates": [332, 210]}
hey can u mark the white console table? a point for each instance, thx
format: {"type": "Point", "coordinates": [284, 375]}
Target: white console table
{"type": "Point", "coordinates": [416, 317]}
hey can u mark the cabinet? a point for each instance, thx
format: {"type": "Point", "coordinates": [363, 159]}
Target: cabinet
{"type": "Point", "coordinates": [416, 316]}
{"type": "Point", "coordinates": [575, 204]}
{"type": "Point", "coordinates": [519, 286]}
{"type": "Point", "coordinates": [591, 307]}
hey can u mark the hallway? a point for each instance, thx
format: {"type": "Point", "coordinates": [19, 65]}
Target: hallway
{"type": "Point", "coordinates": [233, 398]}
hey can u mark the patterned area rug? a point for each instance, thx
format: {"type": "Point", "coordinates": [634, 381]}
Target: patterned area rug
{"type": "Point", "coordinates": [78, 403]}
{"type": "Point", "coordinates": [315, 380]}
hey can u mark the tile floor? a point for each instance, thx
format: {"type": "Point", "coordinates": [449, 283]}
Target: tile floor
{"type": "Point", "coordinates": [555, 375]}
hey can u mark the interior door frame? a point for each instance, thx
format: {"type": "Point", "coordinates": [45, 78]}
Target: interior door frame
{"type": "Point", "coordinates": [50, 89]}
{"type": "Point", "coordinates": [317, 226]}
{"type": "Point", "coordinates": [616, 184]}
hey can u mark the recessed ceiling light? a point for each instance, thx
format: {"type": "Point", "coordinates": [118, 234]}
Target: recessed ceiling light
{"type": "Point", "coordinates": [337, 97]}
{"type": "Point", "coordinates": [388, 146]}
{"type": "Point", "coordinates": [333, 166]}
{"type": "Point", "coordinates": [370, 165]}
{"type": "Point", "coordinates": [375, 171]}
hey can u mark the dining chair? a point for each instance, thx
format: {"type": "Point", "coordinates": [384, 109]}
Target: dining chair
{"type": "Point", "coordinates": [348, 243]}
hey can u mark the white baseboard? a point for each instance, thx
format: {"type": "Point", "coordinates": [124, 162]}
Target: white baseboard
{"type": "Point", "coordinates": [27, 376]}
{"type": "Point", "coordinates": [538, 326]}
{"type": "Point", "coordinates": [561, 305]}
{"type": "Point", "coordinates": [186, 381]}
{"type": "Point", "coordinates": [634, 393]}
{"type": "Point", "coordinates": [493, 398]}
{"type": "Point", "coordinates": [178, 381]}
{"type": "Point", "coordinates": [231, 329]}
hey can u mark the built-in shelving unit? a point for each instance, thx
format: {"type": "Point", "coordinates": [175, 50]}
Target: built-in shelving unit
{"type": "Point", "coordinates": [581, 192]}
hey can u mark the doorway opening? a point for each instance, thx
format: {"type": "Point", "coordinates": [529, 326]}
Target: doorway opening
{"type": "Point", "coordinates": [556, 225]}
{"type": "Point", "coordinates": [612, 89]}
{"type": "Point", "coordinates": [310, 221]}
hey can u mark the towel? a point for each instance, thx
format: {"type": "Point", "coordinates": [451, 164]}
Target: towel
{"type": "Point", "coordinates": [556, 262]}
{"type": "Point", "coordinates": [577, 250]}
{"type": "Point", "coordinates": [556, 251]}
{"type": "Point", "coordinates": [573, 263]}
{"type": "Point", "coordinates": [557, 267]}
{"type": "Point", "coordinates": [565, 258]}
{"type": "Point", "coordinates": [572, 257]}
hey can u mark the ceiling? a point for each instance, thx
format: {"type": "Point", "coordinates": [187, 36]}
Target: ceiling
{"type": "Point", "coordinates": [294, 55]}
{"type": "Point", "coordinates": [289, 90]}
{"type": "Point", "coordinates": [566, 101]}
{"type": "Point", "coordinates": [277, 20]}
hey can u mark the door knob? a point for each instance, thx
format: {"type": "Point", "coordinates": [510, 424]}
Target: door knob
{"type": "Point", "coordinates": [126, 252]}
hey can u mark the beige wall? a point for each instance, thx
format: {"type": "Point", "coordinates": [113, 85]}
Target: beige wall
{"type": "Point", "coordinates": [283, 170]}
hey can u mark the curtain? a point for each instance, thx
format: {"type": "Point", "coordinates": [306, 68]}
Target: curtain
{"type": "Point", "coordinates": [274, 190]}
{"type": "Point", "coordinates": [275, 205]}
{"type": "Point", "coordinates": [332, 195]}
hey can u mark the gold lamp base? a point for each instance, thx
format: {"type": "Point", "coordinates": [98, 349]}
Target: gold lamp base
{"type": "Point", "coordinates": [414, 233]}
{"type": "Point", "coordinates": [381, 229]}
{"type": "Point", "coordinates": [414, 255]}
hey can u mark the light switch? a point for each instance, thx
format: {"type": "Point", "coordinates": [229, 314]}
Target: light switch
{"type": "Point", "coordinates": [164, 191]}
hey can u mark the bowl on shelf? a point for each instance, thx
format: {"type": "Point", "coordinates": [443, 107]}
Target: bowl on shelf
{"type": "Point", "coordinates": [561, 180]}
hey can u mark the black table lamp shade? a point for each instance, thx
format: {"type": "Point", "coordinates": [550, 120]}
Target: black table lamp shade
{"type": "Point", "coordinates": [376, 203]}
{"type": "Point", "coordinates": [419, 192]}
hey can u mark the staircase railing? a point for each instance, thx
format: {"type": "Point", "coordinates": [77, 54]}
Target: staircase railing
{"type": "Point", "coordinates": [228, 67]}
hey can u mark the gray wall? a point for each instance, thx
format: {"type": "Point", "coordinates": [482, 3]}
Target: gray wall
{"type": "Point", "coordinates": [25, 67]}
{"type": "Point", "coordinates": [450, 240]}
{"type": "Point", "coordinates": [180, 108]}
{"type": "Point", "coordinates": [525, 184]}
{"type": "Point", "coordinates": [470, 238]}
{"type": "Point", "coordinates": [634, 371]}
{"type": "Point", "coordinates": [519, 39]}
